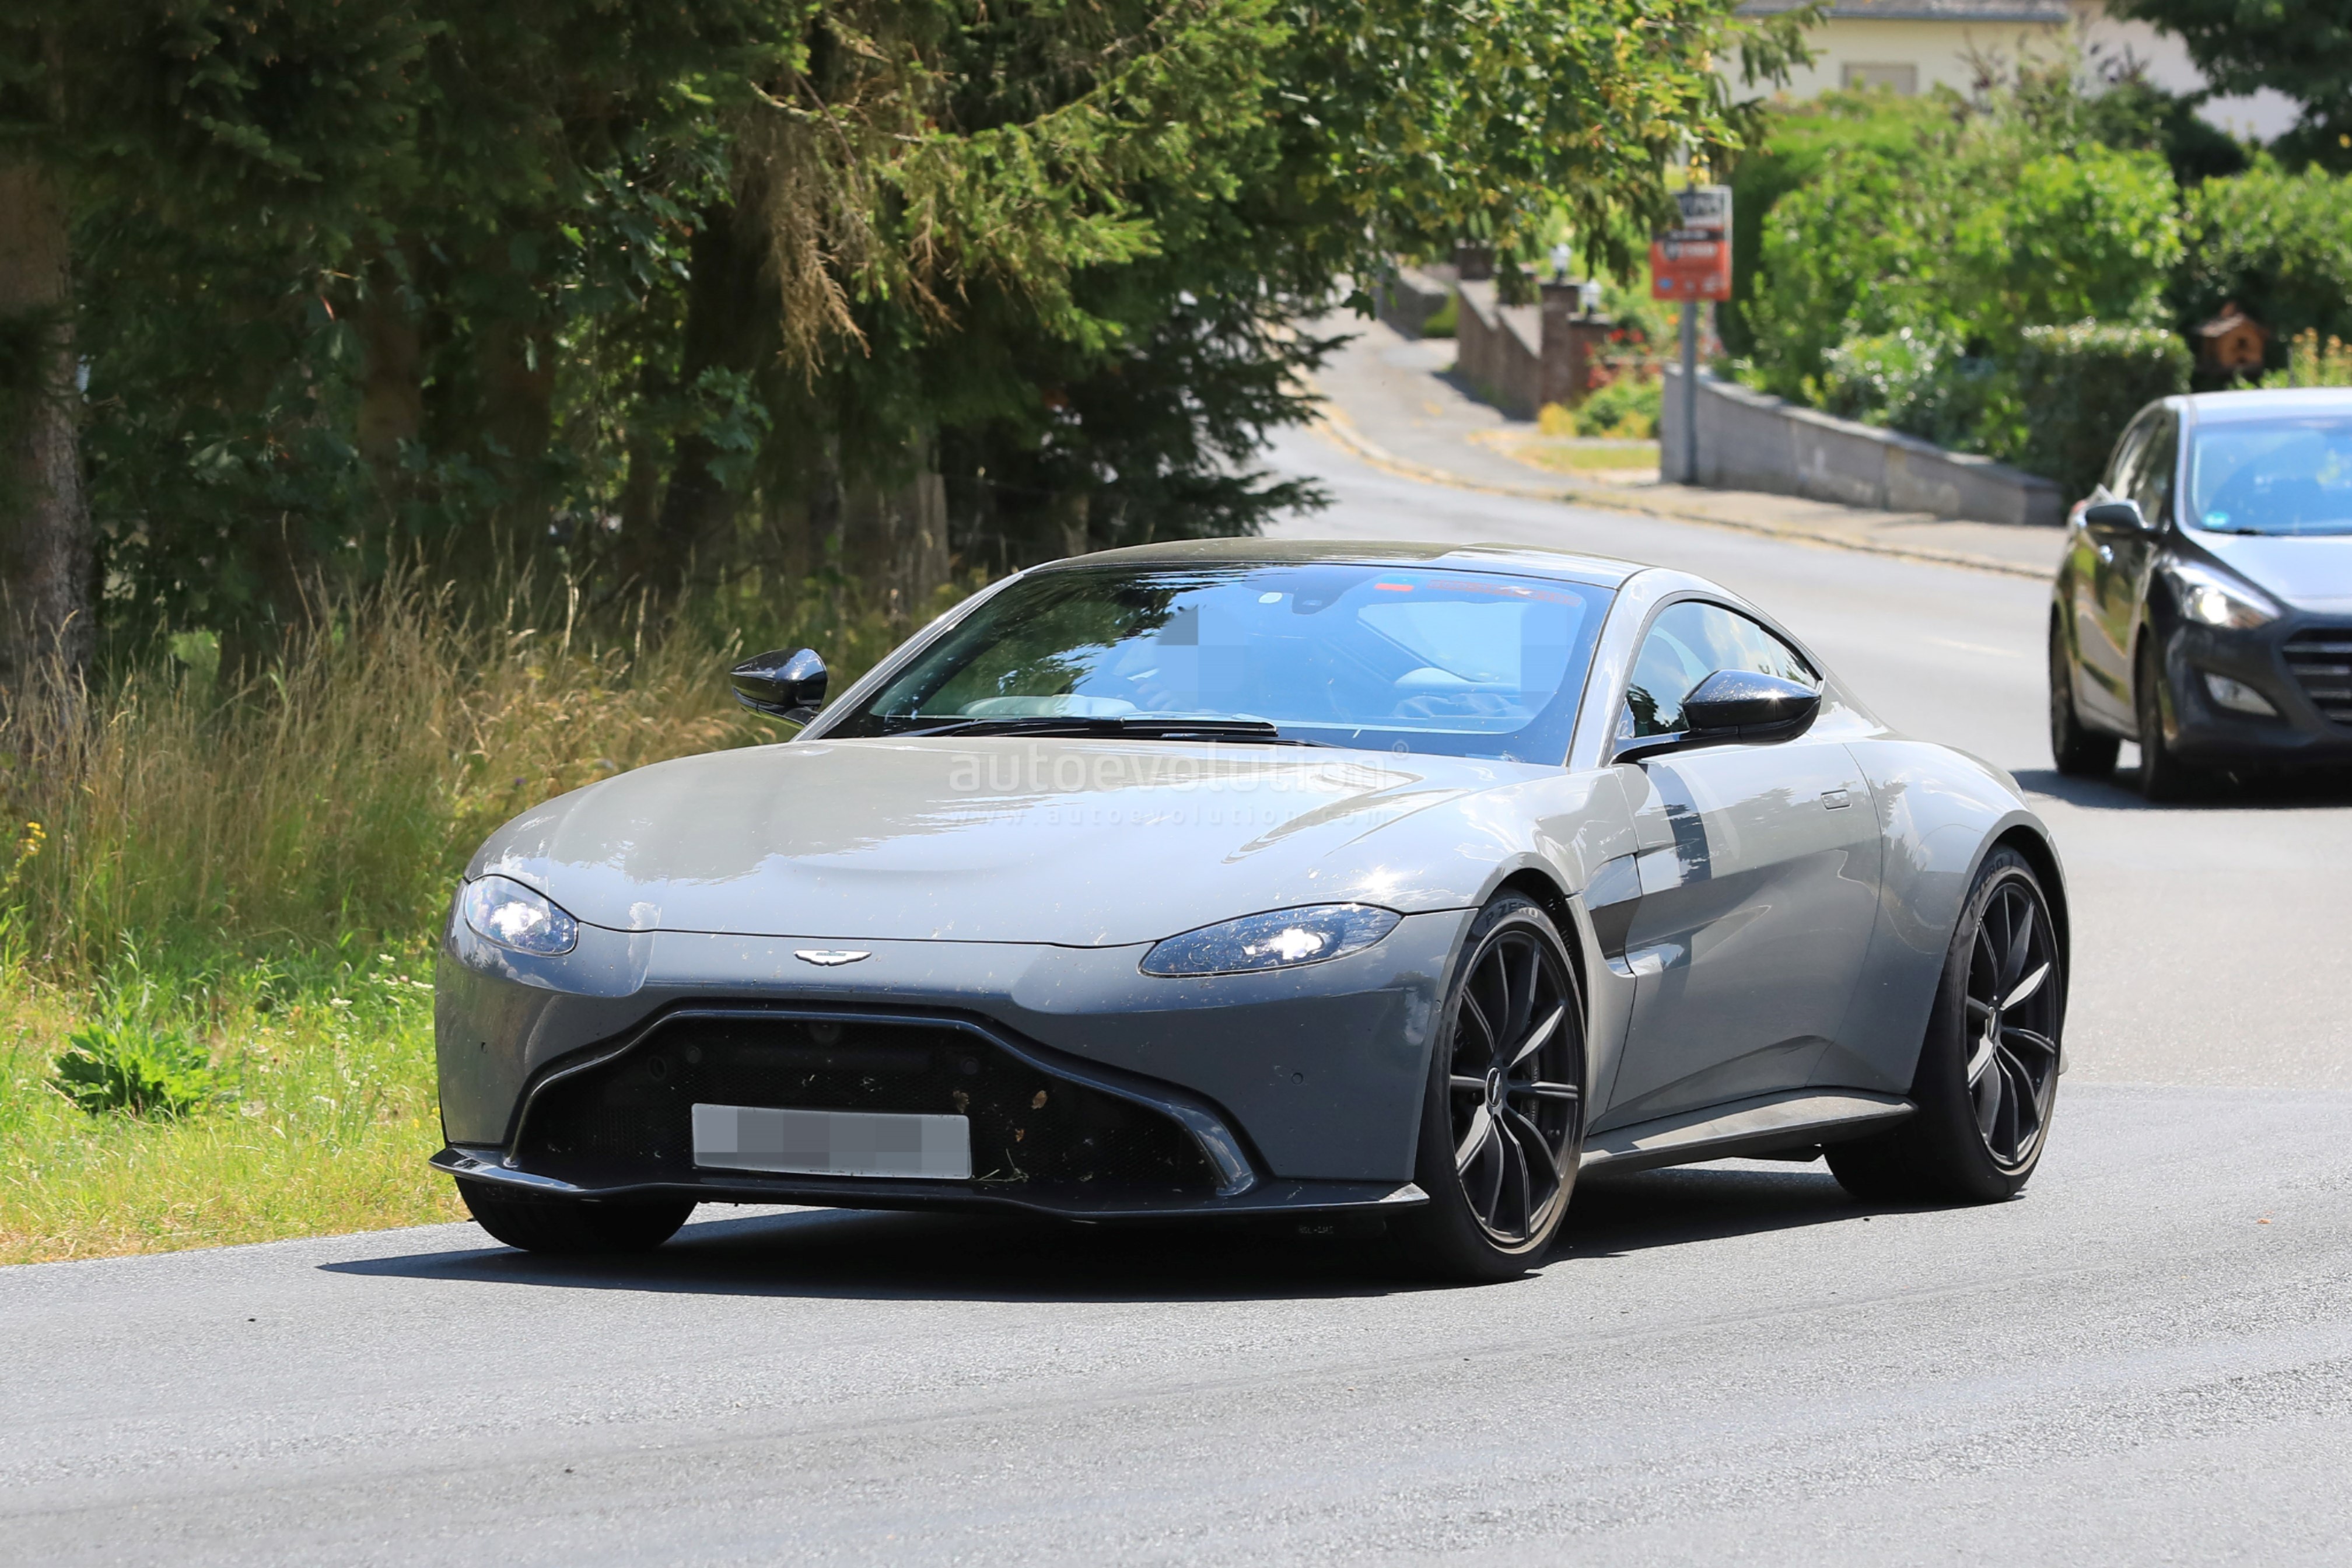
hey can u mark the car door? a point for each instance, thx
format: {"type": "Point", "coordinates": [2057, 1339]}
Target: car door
{"type": "Point", "coordinates": [2119, 565]}
{"type": "Point", "coordinates": [1758, 877]}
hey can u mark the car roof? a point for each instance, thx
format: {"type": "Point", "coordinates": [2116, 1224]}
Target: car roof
{"type": "Point", "coordinates": [1517, 560]}
{"type": "Point", "coordinates": [2269, 402]}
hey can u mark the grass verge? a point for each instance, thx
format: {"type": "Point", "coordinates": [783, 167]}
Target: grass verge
{"type": "Point", "coordinates": [217, 922]}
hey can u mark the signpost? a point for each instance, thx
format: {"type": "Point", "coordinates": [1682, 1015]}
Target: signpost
{"type": "Point", "coordinates": [1690, 263]}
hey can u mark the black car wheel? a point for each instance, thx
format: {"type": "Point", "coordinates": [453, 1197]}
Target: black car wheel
{"type": "Point", "coordinates": [574, 1225]}
{"type": "Point", "coordinates": [1988, 1076]}
{"type": "Point", "coordinates": [1503, 1126]}
{"type": "Point", "coordinates": [2080, 752]}
{"type": "Point", "coordinates": [2163, 776]}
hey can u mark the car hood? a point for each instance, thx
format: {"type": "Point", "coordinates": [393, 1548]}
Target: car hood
{"type": "Point", "coordinates": [1082, 842]}
{"type": "Point", "coordinates": [2313, 573]}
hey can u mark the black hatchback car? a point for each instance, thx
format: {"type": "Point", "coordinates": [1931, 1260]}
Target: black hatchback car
{"type": "Point", "coordinates": [2204, 607]}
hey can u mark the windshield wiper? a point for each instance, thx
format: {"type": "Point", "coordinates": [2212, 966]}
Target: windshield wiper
{"type": "Point", "coordinates": [1140, 726]}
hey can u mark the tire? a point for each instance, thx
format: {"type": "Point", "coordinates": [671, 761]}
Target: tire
{"type": "Point", "coordinates": [1501, 1129]}
{"type": "Point", "coordinates": [2163, 776]}
{"type": "Point", "coordinates": [2080, 752]}
{"type": "Point", "coordinates": [1986, 1083]}
{"type": "Point", "coordinates": [573, 1226]}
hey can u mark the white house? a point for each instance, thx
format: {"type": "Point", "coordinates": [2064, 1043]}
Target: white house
{"type": "Point", "coordinates": [1915, 46]}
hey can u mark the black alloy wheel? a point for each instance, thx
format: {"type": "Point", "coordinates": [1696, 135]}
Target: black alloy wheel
{"type": "Point", "coordinates": [1504, 1127]}
{"type": "Point", "coordinates": [2011, 1031]}
{"type": "Point", "coordinates": [2163, 776]}
{"type": "Point", "coordinates": [1987, 1082]}
{"type": "Point", "coordinates": [573, 1226]}
{"type": "Point", "coordinates": [2080, 751]}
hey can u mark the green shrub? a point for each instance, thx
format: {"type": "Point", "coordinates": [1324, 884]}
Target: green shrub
{"type": "Point", "coordinates": [2085, 235]}
{"type": "Point", "coordinates": [2310, 363]}
{"type": "Point", "coordinates": [2078, 386]}
{"type": "Point", "coordinates": [1626, 408]}
{"type": "Point", "coordinates": [1915, 382]}
{"type": "Point", "coordinates": [2277, 245]}
{"type": "Point", "coordinates": [1857, 253]}
{"type": "Point", "coordinates": [124, 1064]}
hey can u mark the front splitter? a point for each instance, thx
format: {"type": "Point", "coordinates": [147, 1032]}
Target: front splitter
{"type": "Point", "coordinates": [1266, 1197]}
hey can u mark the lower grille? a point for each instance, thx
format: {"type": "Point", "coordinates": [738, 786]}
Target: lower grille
{"type": "Point", "coordinates": [2321, 661]}
{"type": "Point", "coordinates": [1027, 1127]}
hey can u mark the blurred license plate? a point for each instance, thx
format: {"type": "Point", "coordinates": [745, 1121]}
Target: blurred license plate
{"type": "Point", "coordinates": [832, 1143]}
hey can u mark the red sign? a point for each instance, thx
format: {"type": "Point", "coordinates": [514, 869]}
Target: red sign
{"type": "Point", "coordinates": [1693, 261]}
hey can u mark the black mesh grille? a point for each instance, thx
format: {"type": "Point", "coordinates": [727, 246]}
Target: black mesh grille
{"type": "Point", "coordinates": [2322, 660]}
{"type": "Point", "coordinates": [1026, 1126]}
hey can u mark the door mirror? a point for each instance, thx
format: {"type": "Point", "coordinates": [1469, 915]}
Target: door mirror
{"type": "Point", "coordinates": [1736, 705]}
{"type": "Point", "coordinates": [787, 686]}
{"type": "Point", "coordinates": [2113, 517]}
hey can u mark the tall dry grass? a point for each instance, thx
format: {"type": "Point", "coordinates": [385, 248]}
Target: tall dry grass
{"type": "Point", "coordinates": [262, 871]}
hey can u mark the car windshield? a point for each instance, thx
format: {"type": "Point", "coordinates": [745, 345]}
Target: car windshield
{"type": "Point", "coordinates": [2274, 476]}
{"type": "Point", "coordinates": [1395, 657]}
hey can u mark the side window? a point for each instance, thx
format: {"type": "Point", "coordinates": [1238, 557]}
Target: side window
{"type": "Point", "coordinates": [2124, 467]}
{"type": "Point", "coordinates": [2152, 485]}
{"type": "Point", "coordinates": [1687, 643]}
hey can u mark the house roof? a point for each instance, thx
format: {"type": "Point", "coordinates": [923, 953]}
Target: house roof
{"type": "Point", "coordinates": [2045, 13]}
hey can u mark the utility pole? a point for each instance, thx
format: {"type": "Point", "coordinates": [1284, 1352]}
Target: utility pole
{"type": "Point", "coordinates": [1690, 392]}
{"type": "Point", "coordinates": [1689, 263]}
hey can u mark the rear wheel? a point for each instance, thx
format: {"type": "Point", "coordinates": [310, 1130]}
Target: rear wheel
{"type": "Point", "coordinates": [1503, 1121]}
{"type": "Point", "coordinates": [1988, 1076]}
{"type": "Point", "coordinates": [2080, 751]}
{"type": "Point", "coordinates": [2163, 776]}
{"type": "Point", "coordinates": [574, 1225]}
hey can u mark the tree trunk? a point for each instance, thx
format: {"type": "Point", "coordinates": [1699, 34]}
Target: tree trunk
{"type": "Point", "coordinates": [392, 386]}
{"type": "Point", "coordinates": [45, 537]}
{"type": "Point", "coordinates": [725, 312]}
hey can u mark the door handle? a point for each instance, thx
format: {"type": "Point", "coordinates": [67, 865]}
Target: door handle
{"type": "Point", "coordinates": [1835, 799]}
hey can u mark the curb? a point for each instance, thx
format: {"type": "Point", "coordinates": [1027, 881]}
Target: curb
{"type": "Point", "coordinates": [1335, 425]}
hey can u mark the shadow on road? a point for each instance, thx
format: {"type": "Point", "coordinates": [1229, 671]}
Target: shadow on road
{"type": "Point", "coordinates": [849, 1254]}
{"type": "Point", "coordinates": [2256, 793]}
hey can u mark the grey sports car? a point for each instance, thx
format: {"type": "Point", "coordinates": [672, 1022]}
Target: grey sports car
{"type": "Point", "coordinates": [1244, 878]}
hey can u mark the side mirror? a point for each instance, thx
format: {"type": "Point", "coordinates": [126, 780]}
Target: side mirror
{"type": "Point", "coordinates": [2115, 517]}
{"type": "Point", "coordinates": [787, 686]}
{"type": "Point", "coordinates": [1736, 705]}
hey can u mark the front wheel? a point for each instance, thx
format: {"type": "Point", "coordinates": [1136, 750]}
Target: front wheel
{"type": "Point", "coordinates": [2163, 776]}
{"type": "Point", "coordinates": [1987, 1081]}
{"type": "Point", "coordinates": [1502, 1124]}
{"type": "Point", "coordinates": [574, 1225]}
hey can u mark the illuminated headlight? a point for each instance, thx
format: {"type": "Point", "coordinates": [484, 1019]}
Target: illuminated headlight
{"type": "Point", "coordinates": [2238, 696]}
{"type": "Point", "coordinates": [505, 912]}
{"type": "Point", "coordinates": [1280, 939]}
{"type": "Point", "coordinates": [2217, 601]}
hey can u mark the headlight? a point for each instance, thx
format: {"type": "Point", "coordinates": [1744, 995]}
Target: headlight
{"type": "Point", "coordinates": [1280, 939]}
{"type": "Point", "coordinates": [2217, 601]}
{"type": "Point", "coordinates": [505, 912]}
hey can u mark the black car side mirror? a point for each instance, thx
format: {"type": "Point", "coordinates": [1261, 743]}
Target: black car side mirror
{"type": "Point", "coordinates": [787, 686]}
{"type": "Point", "coordinates": [1734, 705]}
{"type": "Point", "coordinates": [2115, 517]}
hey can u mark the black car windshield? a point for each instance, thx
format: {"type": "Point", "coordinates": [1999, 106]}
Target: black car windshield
{"type": "Point", "coordinates": [1400, 659]}
{"type": "Point", "coordinates": [2272, 476]}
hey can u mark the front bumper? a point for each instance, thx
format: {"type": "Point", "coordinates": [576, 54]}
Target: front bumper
{"type": "Point", "coordinates": [2291, 663]}
{"type": "Point", "coordinates": [1288, 1090]}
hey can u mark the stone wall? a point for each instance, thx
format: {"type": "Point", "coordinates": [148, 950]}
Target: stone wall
{"type": "Point", "coordinates": [1751, 441]}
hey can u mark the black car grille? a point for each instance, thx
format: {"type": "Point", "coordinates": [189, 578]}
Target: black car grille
{"type": "Point", "coordinates": [2321, 659]}
{"type": "Point", "coordinates": [1027, 1126]}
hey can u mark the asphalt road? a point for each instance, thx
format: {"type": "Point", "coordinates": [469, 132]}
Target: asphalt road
{"type": "Point", "coordinates": [2146, 1359]}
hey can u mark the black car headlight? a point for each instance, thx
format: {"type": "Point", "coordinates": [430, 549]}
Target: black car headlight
{"type": "Point", "coordinates": [502, 910]}
{"type": "Point", "coordinates": [1280, 939]}
{"type": "Point", "coordinates": [2211, 599]}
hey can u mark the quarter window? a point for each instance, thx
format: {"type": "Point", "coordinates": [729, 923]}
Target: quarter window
{"type": "Point", "coordinates": [1687, 643]}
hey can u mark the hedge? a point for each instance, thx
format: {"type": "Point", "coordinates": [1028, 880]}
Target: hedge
{"type": "Point", "coordinates": [2078, 386]}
